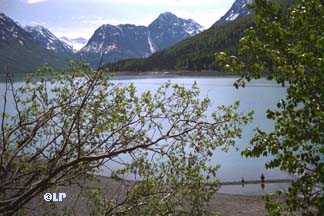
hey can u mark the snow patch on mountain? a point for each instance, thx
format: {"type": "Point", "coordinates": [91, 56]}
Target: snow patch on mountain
{"type": "Point", "coordinates": [99, 48]}
{"type": "Point", "coordinates": [238, 9]}
{"type": "Point", "coordinates": [109, 48]}
{"type": "Point", "coordinates": [232, 16]}
{"type": "Point", "coordinates": [192, 27]}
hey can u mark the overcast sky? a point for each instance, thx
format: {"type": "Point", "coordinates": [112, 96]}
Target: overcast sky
{"type": "Point", "coordinates": [80, 18]}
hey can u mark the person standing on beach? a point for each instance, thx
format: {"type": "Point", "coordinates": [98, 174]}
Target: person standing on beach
{"type": "Point", "coordinates": [262, 181]}
{"type": "Point", "coordinates": [262, 178]}
{"type": "Point", "coordinates": [242, 181]}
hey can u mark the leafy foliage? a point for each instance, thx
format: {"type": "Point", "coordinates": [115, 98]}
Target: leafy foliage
{"type": "Point", "coordinates": [289, 48]}
{"type": "Point", "coordinates": [68, 126]}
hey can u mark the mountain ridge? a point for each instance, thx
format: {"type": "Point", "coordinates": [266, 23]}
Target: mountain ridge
{"type": "Point", "coordinates": [124, 41]}
{"type": "Point", "coordinates": [20, 52]}
{"type": "Point", "coordinates": [48, 40]}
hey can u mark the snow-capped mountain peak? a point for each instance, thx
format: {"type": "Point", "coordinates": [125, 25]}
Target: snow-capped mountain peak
{"type": "Point", "coordinates": [47, 39]}
{"type": "Point", "coordinates": [189, 25]}
{"type": "Point", "coordinates": [25, 49]}
{"type": "Point", "coordinates": [168, 29]}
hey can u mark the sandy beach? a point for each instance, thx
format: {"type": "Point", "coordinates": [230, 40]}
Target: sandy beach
{"type": "Point", "coordinates": [223, 204]}
{"type": "Point", "coordinates": [238, 205]}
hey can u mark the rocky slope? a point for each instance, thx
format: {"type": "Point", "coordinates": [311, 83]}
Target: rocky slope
{"type": "Point", "coordinates": [48, 40]}
{"type": "Point", "coordinates": [239, 9]}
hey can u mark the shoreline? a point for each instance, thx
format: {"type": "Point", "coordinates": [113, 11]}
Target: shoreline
{"type": "Point", "coordinates": [247, 182]}
{"type": "Point", "coordinates": [143, 75]}
{"type": "Point", "coordinates": [175, 73]}
{"type": "Point", "coordinates": [249, 188]}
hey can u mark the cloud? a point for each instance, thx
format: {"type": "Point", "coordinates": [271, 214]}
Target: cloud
{"type": "Point", "coordinates": [95, 20]}
{"type": "Point", "coordinates": [34, 1]}
{"type": "Point", "coordinates": [75, 33]}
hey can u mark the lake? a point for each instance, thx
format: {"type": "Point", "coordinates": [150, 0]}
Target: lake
{"type": "Point", "coordinates": [258, 95]}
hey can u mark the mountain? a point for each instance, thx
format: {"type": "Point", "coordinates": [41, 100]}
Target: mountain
{"type": "Point", "coordinates": [48, 40]}
{"type": "Point", "coordinates": [76, 43]}
{"type": "Point", "coordinates": [239, 9]}
{"type": "Point", "coordinates": [20, 52]}
{"type": "Point", "coordinates": [115, 43]}
{"type": "Point", "coordinates": [127, 41]}
{"type": "Point", "coordinates": [168, 29]}
{"type": "Point", "coordinates": [197, 52]}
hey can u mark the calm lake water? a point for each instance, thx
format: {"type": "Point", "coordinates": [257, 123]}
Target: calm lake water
{"type": "Point", "coordinates": [258, 95]}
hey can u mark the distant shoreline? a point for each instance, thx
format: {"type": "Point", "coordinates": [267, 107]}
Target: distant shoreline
{"type": "Point", "coordinates": [246, 182]}
{"type": "Point", "coordinates": [174, 74]}
{"type": "Point", "coordinates": [143, 75]}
